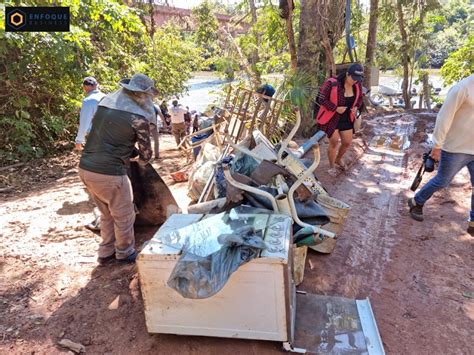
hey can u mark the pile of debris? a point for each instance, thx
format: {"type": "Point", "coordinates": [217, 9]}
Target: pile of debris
{"type": "Point", "coordinates": [229, 267]}
{"type": "Point", "coordinates": [236, 164]}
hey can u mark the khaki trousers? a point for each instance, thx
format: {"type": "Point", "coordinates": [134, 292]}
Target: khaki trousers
{"type": "Point", "coordinates": [179, 131]}
{"type": "Point", "coordinates": [113, 196]}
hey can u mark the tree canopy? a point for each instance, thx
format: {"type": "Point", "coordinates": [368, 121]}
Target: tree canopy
{"type": "Point", "coordinates": [111, 39]}
{"type": "Point", "coordinates": [43, 71]}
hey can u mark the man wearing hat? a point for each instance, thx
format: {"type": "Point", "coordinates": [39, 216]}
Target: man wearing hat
{"type": "Point", "coordinates": [121, 123]}
{"type": "Point", "coordinates": [89, 106]}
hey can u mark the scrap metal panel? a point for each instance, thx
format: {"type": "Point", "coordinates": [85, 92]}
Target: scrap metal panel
{"type": "Point", "coordinates": [335, 325]}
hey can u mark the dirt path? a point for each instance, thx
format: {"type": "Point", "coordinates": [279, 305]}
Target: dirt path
{"type": "Point", "coordinates": [414, 274]}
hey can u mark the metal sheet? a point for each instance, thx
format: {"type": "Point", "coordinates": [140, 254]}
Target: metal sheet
{"type": "Point", "coordinates": [372, 335]}
{"type": "Point", "coordinates": [155, 246]}
{"type": "Point", "coordinates": [202, 238]}
{"type": "Point", "coordinates": [151, 195]}
{"type": "Point", "coordinates": [333, 325]}
{"type": "Point", "coordinates": [277, 237]}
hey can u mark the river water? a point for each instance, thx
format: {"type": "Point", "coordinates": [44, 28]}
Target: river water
{"type": "Point", "coordinates": [203, 88]}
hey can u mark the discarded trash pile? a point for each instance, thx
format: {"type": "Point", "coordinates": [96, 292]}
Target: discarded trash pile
{"type": "Point", "coordinates": [229, 267]}
{"type": "Point", "coordinates": [237, 165]}
{"type": "Point", "coordinates": [258, 207]}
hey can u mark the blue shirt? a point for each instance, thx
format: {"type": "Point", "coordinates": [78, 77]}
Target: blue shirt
{"type": "Point", "coordinates": [88, 109]}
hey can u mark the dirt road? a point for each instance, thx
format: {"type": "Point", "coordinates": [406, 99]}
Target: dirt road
{"type": "Point", "coordinates": [418, 276]}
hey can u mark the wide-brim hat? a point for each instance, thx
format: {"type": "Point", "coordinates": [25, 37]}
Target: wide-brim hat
{"type": "Point", "coordinates": [140, 83]}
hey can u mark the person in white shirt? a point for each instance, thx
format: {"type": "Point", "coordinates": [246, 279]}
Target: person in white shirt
{"type": "Point", "coordinates": [88, 109]}
{"type": "Point", "coordinates": [178, 127]}
{"type": "Point", "coordinates": [453, 139]}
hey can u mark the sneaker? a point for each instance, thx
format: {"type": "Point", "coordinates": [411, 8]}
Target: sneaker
{"type": "Point", "coordinates": [416, 210]}
{"type": "Point", "coordinates": [129, 259]}
{"type": "Point", "coordinates": [106, 260]}
{"type": "Point", "coordinates": [470, 228]}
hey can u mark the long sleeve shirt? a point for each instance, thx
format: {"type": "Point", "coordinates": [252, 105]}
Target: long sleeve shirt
{"type": "Point", "coordinates": [113, 140]}
{"type": "Point", "coordinates": [454, 129]}
{"type": "Point", "coordinates": [88, 109]}
{"type": "Point", "coordinates": [325, 94]}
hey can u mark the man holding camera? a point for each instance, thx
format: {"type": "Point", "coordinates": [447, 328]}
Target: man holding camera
{"type": "Point", "coordinates": [453, 139]}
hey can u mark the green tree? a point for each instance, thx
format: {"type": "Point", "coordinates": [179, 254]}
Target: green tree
{"type": "Point", "coordinates": [460, 63]}
{"type": "Point", "coordinates": [206, 32]}
{"type": "Point", "coordinates": [272, 43]}
{"type": "Point", "coordinates": [403, 49]}
{"type": "Point", "coordinates": [258, 55]}
{"type": "Point", "coordinates": [320, 28]}
{"type": "Point", "coordinates": [449, 28]}
{"type": "Point", "coordinates": [170, 59]}
{"type": "Point", "coordinates": [42, 72]}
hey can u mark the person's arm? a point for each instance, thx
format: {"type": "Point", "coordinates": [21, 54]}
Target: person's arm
{"type": "Point", "coordinates": [85, 119]}
{"type": "Point", "coordinates": [142, 131]}
{"type": "Point", "coordinates": [455, 98]}
{"type": "Point", "coordinates": [361, 96]}
{"type": "Point", "coordinates": [161, 115]}
{"type": "Point", "coordinates": [359, 101]}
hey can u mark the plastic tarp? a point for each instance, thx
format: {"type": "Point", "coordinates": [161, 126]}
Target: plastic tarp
{"type": "Point", "coordinates": [212, 250]}
{"type": "Point", "coordinates": [202, 169]}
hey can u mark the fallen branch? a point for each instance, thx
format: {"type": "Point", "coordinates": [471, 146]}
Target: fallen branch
{"type": "Point", "coordinates": [17, 165]}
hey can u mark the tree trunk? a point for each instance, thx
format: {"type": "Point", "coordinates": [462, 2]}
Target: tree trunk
{"type": "Point", "coordinates": [227, 37]}
{"type": "Point", "coordinates": [321, 26]}
{"type": "Point", "coordinates": [151, 10]}
{"type": "Point", "coordinates": [371, 41]}
{"type": "Point", "coordinates": [330, 62]}
{"type": "Point", "coordinates": [291, 36]}
{"type": "Point", "coordinates": [404, 54]}
{"type": "Point", "coordinates": [309, 43]}
{"type": "Point", "coordinates": [254, 58]}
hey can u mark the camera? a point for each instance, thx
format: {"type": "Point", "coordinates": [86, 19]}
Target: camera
{"type": "Point", "coordinates": [428, 162]}
{"type": "Point", "coordinates": [428, 165]}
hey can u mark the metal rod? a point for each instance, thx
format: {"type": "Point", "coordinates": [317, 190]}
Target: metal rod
{"type": "Point", "coordinates": [243, 149]}
{"type": "Point", "coordinates": [291, 201]}
{"type": "Point", "coordinates": [285, 142]}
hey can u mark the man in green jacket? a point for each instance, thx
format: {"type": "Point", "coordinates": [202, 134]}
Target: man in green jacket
{"type": "Point", "coordinates": [120, 128]}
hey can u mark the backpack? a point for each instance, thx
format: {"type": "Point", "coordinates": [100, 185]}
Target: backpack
{"type": "Point", "coordinates": [316, 101]}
